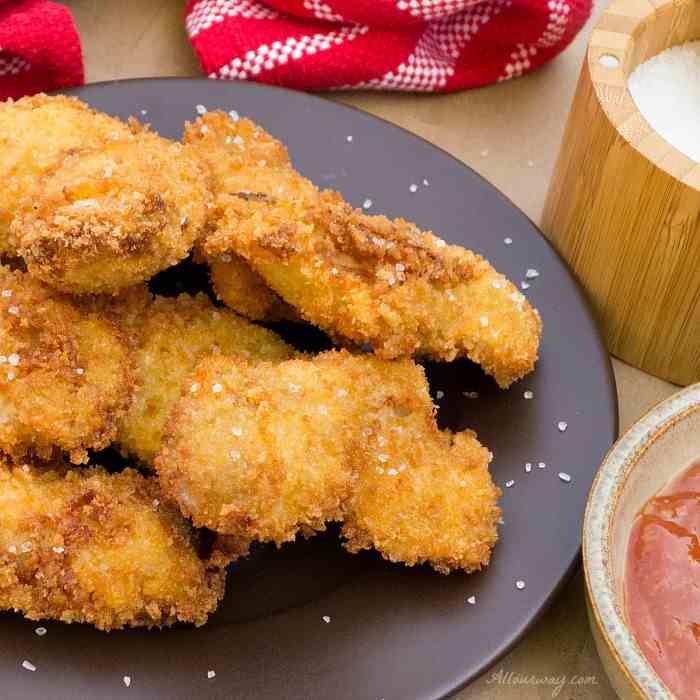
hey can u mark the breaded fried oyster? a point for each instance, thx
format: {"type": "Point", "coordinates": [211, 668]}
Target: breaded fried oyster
{"type": "Point", "coordinates": [36, 132]}
{"type": "Point", "coordinates": [108, 217]}
{"type": "Point", "coordinates": [384, 283]}
{"type": "Point", "coordinates": [171, 336]}
{"type": "Point", "coordinates": [65, 374]}
{"type": "Point", "coordinates": [244, 160]}
{"type": "Point", "coordinates": [262, 452]}
{"type": "Point", "coordinates": [87, 546]}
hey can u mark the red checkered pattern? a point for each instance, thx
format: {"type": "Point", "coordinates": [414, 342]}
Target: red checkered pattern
{"type": "Point", "coordinates": [39, 48]}
{"type": "Point", "coordinates": [409, 45]}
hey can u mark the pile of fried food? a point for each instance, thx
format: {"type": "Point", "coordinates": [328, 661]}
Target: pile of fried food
{"type": "Point", "coordinates": [234, 436]}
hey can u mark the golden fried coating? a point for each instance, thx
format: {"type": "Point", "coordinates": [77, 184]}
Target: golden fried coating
{"type": "Point", "coordinates": [421, 495]}
{"type": "Point", "coordinates": [257, 452]}
{"type": "Point", "coordinates": [65, 374]}
{"type": "Point", "coordinates": [384, 283]}
{"type": "Point", "coordinates": [172, 335]}
{"type": "Point", "coordinates": [109, 217]}
{"type": "Point", "coordinates": [244, 158]}
{"type": "Point", "coordinates": [242, 289]}
{"type": "Point", "coordinates": [34, 133]}
{"type": "Point", "coordinates": [261, 452]}
{"type": "Point", "coordinates": [86, 546]}
{"type": "Point", "coordinates": [125, 308]}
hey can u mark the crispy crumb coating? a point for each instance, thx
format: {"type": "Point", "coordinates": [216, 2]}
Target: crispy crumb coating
{"type": "Point", "coordinates": [242, 157]}
{"type": "Point", "coordinates": [65, 372]}
{"type": "Point", "coordinates": [243, 290]}
{"type": "Point", "coordinates": [173, 334]}
{"type": "Point", "coordinates": [86, 546]}
{"type": "Point", "coordinates": [421, 495]}
{"type": "Point", "coordinates": [34, 133]}
{"type": "Point", "coordinates": [109, 217]}
{"type": "Point", "coordinates": [257, 452]}
{"type": "Point", "coordinates": [262, 452]}
{"type": "Point", "coordinates": [384, 283]}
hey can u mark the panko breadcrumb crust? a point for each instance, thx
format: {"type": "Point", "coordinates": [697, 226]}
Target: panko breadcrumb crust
{"type": "Point", "coordinates": [171, 335]}
{"type": "Point", "coordinates": [242, 158]}
{"type": "Point", "coordinates": [35, 133]}
{"type": "Point", "coordinates": [263, 452]}
{"type": "Point", "coordinates": [65, 372]}
{"type": "Point", "coordinates": [108, 217]}
{"type": "Point", "coordinates": [365, 280]}
{"type": "Point", "coordinates": [86, 546]}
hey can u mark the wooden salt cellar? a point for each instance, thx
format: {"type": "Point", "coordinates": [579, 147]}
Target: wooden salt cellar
{"type": "Point", "coordinates": [624, 206]}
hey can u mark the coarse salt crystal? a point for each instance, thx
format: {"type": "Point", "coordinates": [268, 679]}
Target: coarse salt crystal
{"type": "Point", "coordinates": [7, 292]}
{"type": "Point", "coordinates": [471, 600]}
{"type": "Point", "coordinates": [201, 109]}
{"type": "Point", "coordinates": [527, 394]}
{"type": "Point", "coordinates": [237, 431]}
{"type": "Point", "coordinates": [217, 388]}
{"type": "Point", "coordinates": [524, 285]}
{"type": "Point", "coordinates": [211, 674]}
{"type": "Point", "coordinates": [79, 370]}
{"type": "Point", "coordinates": [367, 203]}
{"type": "Point", "coordinates": [532, 273]}
{"type": "Point", "coordinates": [541, 465]}
{"type": "Point", "coordinates": [508, 241]}
{"type": "Point", "coordinates": [13, 359]}
{"type": "Point", "coordinates": [194, 388]}
{"type": "Point", "coordinates": [413, 188]}
{"type": "Point", "coordinates": [349, 139]}
{"type": "Point", "coordinates": [234, 115]}
{"type": "Point", "coordinates": [326, 618]}
{"type": "Point", "coordinates": [510, 483]}
{"type": "Point", "coordinates": [520, 584]}
{"type": "Point", "coordinates": [528, 467]}
{"type": "Point", "coordinates": [484, 320]}
{"type": "Point", "coordinates": [439, 394]}
{"type": "Point", "coordinates": [564, 477]}
{"type": "Point", "coordinates": [13, 310]}
{"type": "Point", "coordinates": [425, 182]}
{"type": "Point", "coordinates": [28, 665]}
{"type": "Point", "coordinates": [392, 472]}
{"type": "Point", "coordinates": [562, 425]}
{"type": "Point", "coordinates": [127, 681]}
{"type": "Point", "coordinates": [58, 550]}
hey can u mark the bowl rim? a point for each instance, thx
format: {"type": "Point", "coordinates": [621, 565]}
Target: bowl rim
{"type": "Point", "coordinates": [607, 486]}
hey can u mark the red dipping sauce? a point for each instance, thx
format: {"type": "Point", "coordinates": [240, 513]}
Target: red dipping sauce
{"type": "Point", "coordinates": [662, 583]}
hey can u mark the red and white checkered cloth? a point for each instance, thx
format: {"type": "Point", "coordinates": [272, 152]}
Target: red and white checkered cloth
{"type": "Point", "coordinates": [39, 48]}
{"type": "Point", "coordinates": [411, 45]}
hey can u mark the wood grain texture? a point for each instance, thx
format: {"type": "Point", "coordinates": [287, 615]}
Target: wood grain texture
{"type": "Point", "coordinates": [624, 205]}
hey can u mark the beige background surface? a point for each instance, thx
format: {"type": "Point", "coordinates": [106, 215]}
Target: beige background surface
{"type": "Point", "coordinates": [519, 124]}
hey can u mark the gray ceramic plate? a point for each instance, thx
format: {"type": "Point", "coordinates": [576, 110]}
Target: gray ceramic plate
{"type": "Point", "coordinates": [394, 633]}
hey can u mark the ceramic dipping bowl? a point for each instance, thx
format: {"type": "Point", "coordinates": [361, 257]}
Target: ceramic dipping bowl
{"type": "Point", "coordinates": [659, 447]}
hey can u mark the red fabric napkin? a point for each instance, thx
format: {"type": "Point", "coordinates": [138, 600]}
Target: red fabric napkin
{"type": "Point", "coordinates": [39, 48]}
{"type": "Point", "coordinates": [411, 45]}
